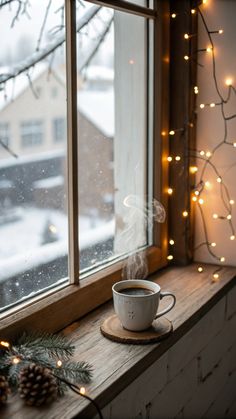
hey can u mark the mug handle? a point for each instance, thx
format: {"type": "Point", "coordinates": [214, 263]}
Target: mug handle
{"type": "Point", "coordinates": [170, 306]}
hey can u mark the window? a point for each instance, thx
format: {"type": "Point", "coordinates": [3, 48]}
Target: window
{"type": "Point", "coordinates": [110, 105]}
{"type": "Point", "coordinates": [31, 133]}
{"type": "Point", "coordinates": [5, 133]}
{"type": "Point", "coordinates": [59, 129]}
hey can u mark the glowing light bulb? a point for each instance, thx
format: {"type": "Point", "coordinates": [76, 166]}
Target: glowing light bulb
{"type": "Point", "coordinates": [163, 133]}
{"type": "Point", "coordinates": [15, 360]}
{"type": "Point", "coordinates": [170, 191]}
{"type": "Point", "coordinates": [196, 91]}
{"type": "Point", "coordinates": [194, 198]}
{"type": "Point", "coordinates": [172, 132]}
{"type": "Point", "coordinates": [6, 344]}
{"type": "Point", "coordinates": [185, 213]}
{"type": "Point", "coordinates": [209, 49]}
{"type": "Point", "coordinates": [186, 36]}
{"type": "Point", "coordinates": [212, 105]}
{"type": "Point", "coordinates": [208, 154]}
{"type": "Point", "coordinates": [228, 82]}
{"type": "Point", "coordinates": [221, 31]}
{"type": "Point", "coordinates": [231, 202]}
{"type": "Point", "coordinates": [201, 201]}
{"type": "Point", "coordinates": [193, 169]}
{"type": "Point", "coordinates": [213, 244]}
{"type": "Point", "coordinates": [215, 216]}
{"type": "Point", "coordinates": [172, 242]}
{"type": "Point", "coordinates": [202, 106]}
{"type": "Point", "coordinates": [207, 184]}
{"type": "Point", "coordinates": [197, 193]}
{"type": "Point", "coordinates": [216, 276]}
{"type": "Point", "coordinates": [232, 237]}
{"type": "Point", "coordinates": [204, 1]}
{"type": "Point", "coordinates": [229, 216]}
{"type": "Point", "coordinates": [177, 158]}
{"type": "Point", "coordinates": [234, 144]}
{"type": "Point", "coordinates": [169, 158]}
{"type": "Point", "coordinates": [200, 269]}
{"type": "Point", "coordinates": [59, 363]}
{"type": "Point", "coordinates": [173, 15]}
{"type": "Point", "coordinates": [219, 180]}
{"type": "Point", "coordinates": [222, 259]}
{"type": "Point", "coordinates": [131, 62]}
{"type": "Point", "coordinates": [186, 57]}
{"type": "Point", "coordinates": [193, 11]}
{"type": "Point", "coordinates": [82, 390]}
{"type": "Point", "coordinates": [202, 153]}
{"type": "Point", "coordinates": [170, 257]}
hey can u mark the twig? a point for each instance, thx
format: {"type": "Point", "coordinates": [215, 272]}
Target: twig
{"type": "Point", "coordinates": [43, 25]}
{"type": "Point", "coordinates": [41, 55]}
{"type": "Point", "coordinates": [8, 149]}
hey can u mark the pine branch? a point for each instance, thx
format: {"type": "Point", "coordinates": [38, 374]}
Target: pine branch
{"type": "Point", "coordinates": [46, 345]}
{"type": "Point", "coordinates": [76, 371]}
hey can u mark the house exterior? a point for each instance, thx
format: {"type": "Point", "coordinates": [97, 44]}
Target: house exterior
{"type": "Point", "coordinates": [33, 123]}
{"type": "Point", "coordinates": [33, 118]}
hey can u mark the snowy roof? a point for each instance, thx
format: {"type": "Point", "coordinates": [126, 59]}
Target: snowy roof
{"type": "Point", "coordinates": [96, 105]}
{"type": "Point", "coordinates": [14, 87]}
{"type": "Point", "coordinates": [98, 108]}
{"type": "Point", "coordinates": [21, 247]}
{"type": "Point", "coordinates": [31, 158]}
{"type": "Point", "coordinates": [49, 182]}
{"type": "Point", "coordinates": [97, 72]}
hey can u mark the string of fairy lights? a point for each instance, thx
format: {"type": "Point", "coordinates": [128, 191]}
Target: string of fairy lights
{"type": "Point", "coordinates": [79, 390]}
{"type": "Point", "coordinates": [206, 157]}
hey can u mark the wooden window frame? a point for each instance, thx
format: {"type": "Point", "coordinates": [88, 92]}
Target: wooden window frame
{"type": "Point", "coordinates": [53, 310]}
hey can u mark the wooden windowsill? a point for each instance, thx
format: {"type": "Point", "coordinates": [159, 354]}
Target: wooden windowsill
{"type": "Point", "coordinates": [116, 365]}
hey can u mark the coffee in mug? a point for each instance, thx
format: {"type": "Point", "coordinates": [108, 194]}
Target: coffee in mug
{"type": "Point", "coordinates": [136, 303]}
{"type": "Point", "coordinates": [136, 291]}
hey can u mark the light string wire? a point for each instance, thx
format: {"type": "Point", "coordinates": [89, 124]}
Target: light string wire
{"type": "Point", "coordinates": [76, 389]}
{"type": "Point", "coordinates": [207, 157]}
{"type": "Point", "coordinates": [4, 345]}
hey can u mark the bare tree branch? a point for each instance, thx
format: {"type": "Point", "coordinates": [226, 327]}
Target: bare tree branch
{"type": "Point", "coordinates": [8, 149]}
{"type": "Point", "coordinates": [38, 56]}
{"type": "Point", "coordinates": [96, 47]}
{"type": "Point", "coordinates": [31, 86]}
{"type": "Point", "coordinates": [43, 25]}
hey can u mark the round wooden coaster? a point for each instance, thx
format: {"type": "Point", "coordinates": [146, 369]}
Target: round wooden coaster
{"type": "Point", "coordinates": [112, 329]}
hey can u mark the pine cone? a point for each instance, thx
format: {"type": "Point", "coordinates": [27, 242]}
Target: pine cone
{"type": "Point", "coordinates": [37, 385]}
{"type": "Point", "coordinates": [4, 389]}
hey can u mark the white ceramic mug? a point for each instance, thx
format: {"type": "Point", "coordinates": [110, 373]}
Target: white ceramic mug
{"type": "Point", "coordinates": [138, 310]}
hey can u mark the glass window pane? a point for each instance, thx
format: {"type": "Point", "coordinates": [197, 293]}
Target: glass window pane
{"type": "Point", "coordinates": [33, 210]}
{"type": "Point", "coordinates": [112, 135]}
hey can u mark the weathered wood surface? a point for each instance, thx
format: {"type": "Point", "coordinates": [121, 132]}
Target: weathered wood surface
{"type": "Point", "coordinates": [116, 365]}
{"type": "Point", "coordinates": [55, 311]}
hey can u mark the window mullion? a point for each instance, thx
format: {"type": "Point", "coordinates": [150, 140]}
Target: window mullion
{"type": "Point", "coordinates": [73, 202]}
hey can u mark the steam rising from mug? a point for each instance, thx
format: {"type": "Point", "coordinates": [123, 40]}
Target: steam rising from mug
{"type": "Point", "coordinates": [138, 221]}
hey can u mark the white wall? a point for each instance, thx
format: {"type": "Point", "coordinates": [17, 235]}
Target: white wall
{"type": "Point", "coordinates": [196, 378]}
{"type": "Point", "coordinates": [210, 128]}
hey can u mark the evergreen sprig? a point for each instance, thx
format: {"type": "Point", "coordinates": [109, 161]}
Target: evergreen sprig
{"type": "Point", "coordinates": [54, 345]}
{"type": "Point", "coordinates": [45, 350]}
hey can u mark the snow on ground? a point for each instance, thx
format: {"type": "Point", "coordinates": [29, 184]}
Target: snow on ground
{"type": "Point", "coordinates": [21, 242]}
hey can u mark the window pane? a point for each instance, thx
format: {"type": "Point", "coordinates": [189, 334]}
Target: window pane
{"type": "Point", "coordinates": [33, 210]}
{"type": "Point", "coordinates": [112, 134]}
